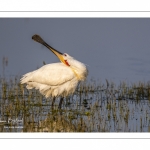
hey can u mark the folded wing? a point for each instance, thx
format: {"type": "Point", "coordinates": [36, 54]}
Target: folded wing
{"type": "Point", "coordinates": [52, 74]}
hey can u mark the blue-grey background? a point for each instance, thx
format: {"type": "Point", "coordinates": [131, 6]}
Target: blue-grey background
{"type": "Point", "coordinates": [117, 49]}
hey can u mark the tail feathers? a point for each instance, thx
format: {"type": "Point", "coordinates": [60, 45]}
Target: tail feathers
{"type": "Point", "coordinates": [38, 86]}
{"type": "Point", "coordinates": [45, 90]}
{"type": "Point", "coordinates": [26, 78]}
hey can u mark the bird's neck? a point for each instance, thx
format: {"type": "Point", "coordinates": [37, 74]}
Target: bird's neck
{"type": "Point", "coordinates": [79, 70]}
{"type": "Point", "coordinates": [76, 74]}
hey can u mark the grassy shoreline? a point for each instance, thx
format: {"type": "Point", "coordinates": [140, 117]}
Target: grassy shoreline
{"type": "Point", "coordinates": [94, 107]}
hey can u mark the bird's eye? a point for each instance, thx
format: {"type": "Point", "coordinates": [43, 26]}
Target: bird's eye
{"type": "Point", "coordinates": [65, 54]}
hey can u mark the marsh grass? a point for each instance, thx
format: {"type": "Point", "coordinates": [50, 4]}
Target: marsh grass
{"type": "Point", "coordinates": [94, 107]}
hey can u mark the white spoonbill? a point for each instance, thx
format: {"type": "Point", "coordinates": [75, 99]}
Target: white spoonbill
{"type": "Point", "coordinates": [56, 79]}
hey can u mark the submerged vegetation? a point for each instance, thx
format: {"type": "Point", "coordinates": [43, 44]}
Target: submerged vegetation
{"type": "Point", "coordinates": [94, 107]}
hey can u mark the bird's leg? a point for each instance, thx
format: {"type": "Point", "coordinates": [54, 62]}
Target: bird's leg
{"type": "Point", "coordinates": [53, 101]}
{"type": "Point", "coordinates": [60, 102]}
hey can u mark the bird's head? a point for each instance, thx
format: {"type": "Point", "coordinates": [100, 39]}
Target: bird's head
{"type": "Point", "coordinates": [66, 59]}
{"type": "Point", "coordinates": [63, 57]}
{"type": "Point", "coordinates": [79, 68]}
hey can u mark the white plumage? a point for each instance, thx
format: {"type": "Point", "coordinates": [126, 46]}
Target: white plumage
{"type": "Point", "coordinates": [57, 79]}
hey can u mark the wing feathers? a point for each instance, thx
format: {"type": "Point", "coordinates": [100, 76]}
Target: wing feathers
{"type": "Point", "coordinates": [52, 80]}
{"type": "Point", "coordinates": [51, 74]}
